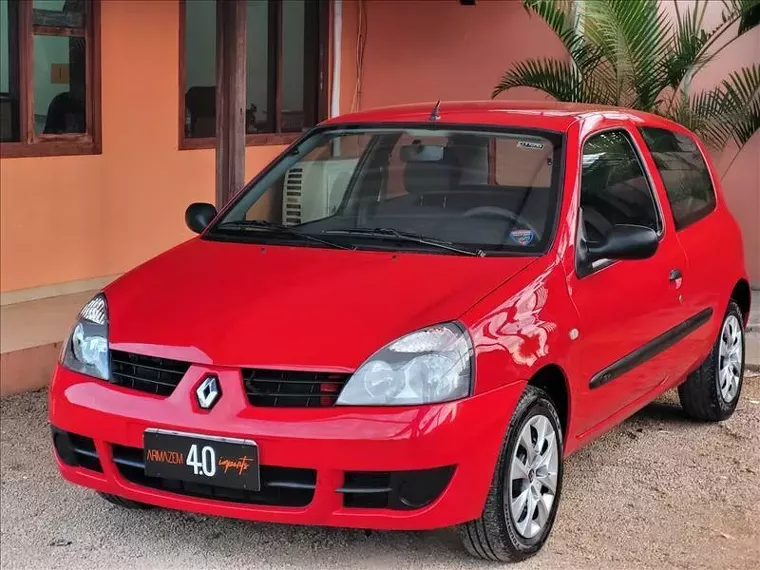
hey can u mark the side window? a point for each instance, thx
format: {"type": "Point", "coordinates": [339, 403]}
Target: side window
{"type": "Point", "coordinates": [614, 187]}
{"type": "Point", "coordinates": [684, 174]}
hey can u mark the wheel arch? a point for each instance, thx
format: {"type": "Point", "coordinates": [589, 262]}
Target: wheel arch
{"type": "Point", "coordinates": [743, 297]}
{"type": "Point", "coordinates": [553, 380]}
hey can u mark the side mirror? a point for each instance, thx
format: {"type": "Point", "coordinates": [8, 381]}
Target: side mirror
{"type": "Point", "coordinates": [199, 215]}
{"type": "Point", "coordinates": [625, 241]}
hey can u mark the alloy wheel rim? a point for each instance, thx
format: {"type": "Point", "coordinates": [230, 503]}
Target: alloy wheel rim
{"type": "Point", "coordinates": [731, 352]}
{"type": "Point", "coordinates": [532, 477]}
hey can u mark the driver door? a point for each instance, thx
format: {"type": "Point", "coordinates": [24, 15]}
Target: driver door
{"type": "Point", "coordinates": [624, 306]}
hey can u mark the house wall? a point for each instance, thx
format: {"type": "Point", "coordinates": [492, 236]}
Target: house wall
{"type": "Point", "coordinates": [65, 219]}
{"type": "Point", "coordinates": [73, 218]}
{"type": "Point", "coordinates": [739, 169]}
{"type": "Point", "coordinates": [419, 50]}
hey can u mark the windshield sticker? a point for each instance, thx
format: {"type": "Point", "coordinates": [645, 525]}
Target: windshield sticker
{"type": "Point", "coordinates": [530, 145]}
{"type": "Point", "coordinates": [523, 237]}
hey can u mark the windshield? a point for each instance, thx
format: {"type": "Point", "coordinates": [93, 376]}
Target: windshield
{"type": "Point", "coordinates": [469, 190]}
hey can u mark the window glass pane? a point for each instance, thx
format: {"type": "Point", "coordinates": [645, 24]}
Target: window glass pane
{"type": "Point", "coordinates": [525, 162]}
{"type": "Point", "coordinates": [259, 92]}
{"type": "Point", "coordinates": [429, 182]}
{"type": "Point", "coordinates": [330, 165]}
{"type": "Point", "coordinates": [60, 13]}
{"type": "Point", "coordinates": [200, 68]}
{"type": "Point", "coordinates": [59, 84]}
{"type": "Point", "coordinates": [293, 41]}
{"type": "Point", "coordinates": [9, 93]}
{"type": "Point", "coordinates": [614, 188]}
{"type": "Point", "coordinates": [684, 174]}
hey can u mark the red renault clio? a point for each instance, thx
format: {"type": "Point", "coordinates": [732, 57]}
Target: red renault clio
{"type": "Point", "coordinates": [408, 320]}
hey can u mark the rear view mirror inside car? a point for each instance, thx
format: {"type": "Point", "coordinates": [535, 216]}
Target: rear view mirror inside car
{"type": "Point", "coordinates": [417, 152]}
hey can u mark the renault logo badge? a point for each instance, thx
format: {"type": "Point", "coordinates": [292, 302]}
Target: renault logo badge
{"type": "Point", "coordinates": [208, 392]}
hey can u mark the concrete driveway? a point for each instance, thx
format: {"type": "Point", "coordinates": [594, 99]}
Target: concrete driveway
{"type": "Point", "coordinates": [658, 492]}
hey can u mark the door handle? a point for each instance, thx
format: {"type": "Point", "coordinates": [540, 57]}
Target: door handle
{"type": "Point", "coordinates": [676, 279]}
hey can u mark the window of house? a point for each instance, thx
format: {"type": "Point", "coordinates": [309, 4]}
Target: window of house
{"type": "Point", "coordinates": [48, 101]}
{"type": "Point", "coordinates": [684, 174]}
{"type": "Point", "coordinates": [614, 187]}
{"type": "Point", "coordinates": [284, 62]}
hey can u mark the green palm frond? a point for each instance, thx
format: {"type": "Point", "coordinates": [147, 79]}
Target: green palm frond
{"type": "Point", "coordinates": [729, 111]}
{"type": "Point", "coordinates": [631, 53]}
{"type": "Point", "coordinates": [703, 113]}
{"type": "Point", "coordinates": [687, 45]}
{"type": "Point", "coordinates": [741, 95]}
{"type": "Point", "coordinates": [633, 35]}
{"type": "Point", "coordinates": [746, 12]}
{"type": "Point", "coordinates": [559, 18]}
{"type": "Point", "coordinates": [554, 77]}
{"type": "Point", "coordinates": [557, 78]}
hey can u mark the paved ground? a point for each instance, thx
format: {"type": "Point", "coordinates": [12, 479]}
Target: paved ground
{"type": "Point", "coordinates": [658, 492]}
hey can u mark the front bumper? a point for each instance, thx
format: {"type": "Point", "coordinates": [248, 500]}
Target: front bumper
{"type": "Point", "coordinates": [335, 444]}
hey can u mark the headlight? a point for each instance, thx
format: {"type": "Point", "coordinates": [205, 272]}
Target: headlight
{"type": "Point", "coordinates": [428, 366]}
{"type": "Point", "coordinates": [86, 351]}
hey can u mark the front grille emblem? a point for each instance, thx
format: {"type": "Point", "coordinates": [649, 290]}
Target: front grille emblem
{"type": "Point", "coordinates": [208, 392]}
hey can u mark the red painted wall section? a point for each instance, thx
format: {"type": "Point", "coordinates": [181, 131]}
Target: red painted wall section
{"type": "Point", "coordinates": [420, 50]}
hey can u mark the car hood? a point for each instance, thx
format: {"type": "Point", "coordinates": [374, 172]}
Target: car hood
{"type": "Point", "coordinates": [233, 304]}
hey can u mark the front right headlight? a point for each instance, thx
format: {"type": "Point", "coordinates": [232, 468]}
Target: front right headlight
{"type": "Point", "coordinates": [431, 365]}
{"type": "Point", "coordinates": [86, 350]}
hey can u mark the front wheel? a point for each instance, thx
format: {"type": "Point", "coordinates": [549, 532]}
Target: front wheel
{"type": "Point", "coordinates": [711, 393]}
{"type": "Point", "coordinates": [525, 491]}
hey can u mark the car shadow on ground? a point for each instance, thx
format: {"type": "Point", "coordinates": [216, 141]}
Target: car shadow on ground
{"type": "Point", "coordinates": [662, 411]}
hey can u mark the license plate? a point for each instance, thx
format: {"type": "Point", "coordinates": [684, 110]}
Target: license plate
{"type": "Point", "coordinates": [222, 461]}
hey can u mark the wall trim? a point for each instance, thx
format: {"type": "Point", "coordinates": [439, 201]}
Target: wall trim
{"type": "Point", "coordinates": [45, 291]}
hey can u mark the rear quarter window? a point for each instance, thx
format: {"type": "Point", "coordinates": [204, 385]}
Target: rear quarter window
{"type": "Point", "coordinates": [684, 174]}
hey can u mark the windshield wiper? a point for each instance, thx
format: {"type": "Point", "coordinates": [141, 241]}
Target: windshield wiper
{"type": "Point", "coordinates": [274, 227]}
{"type": "Point", "coordinates": [392, 233]}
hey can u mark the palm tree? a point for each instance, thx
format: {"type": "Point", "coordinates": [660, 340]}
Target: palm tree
{"type": "Point", "coordinates": [631, 53]}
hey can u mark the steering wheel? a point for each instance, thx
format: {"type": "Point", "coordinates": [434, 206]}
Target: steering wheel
{"type": "Point", "coordinates": [501, 213]}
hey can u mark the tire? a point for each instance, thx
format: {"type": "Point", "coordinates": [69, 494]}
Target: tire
{"type": "Point", "coordinates": [703, 395]}
{"type": "Point", "coordinates": [124, 503]}
{"type": "Point", "coordinates": [496, 535]}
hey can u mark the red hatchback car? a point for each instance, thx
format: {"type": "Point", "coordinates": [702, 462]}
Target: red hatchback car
{"type": "Point", "coordinates": [409, 319]}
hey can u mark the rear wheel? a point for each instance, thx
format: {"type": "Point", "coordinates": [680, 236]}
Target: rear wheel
{"type": "Point", "coordinates": [525, 491]}
{"type": "Point", "coordinates": [124, 503]}
{"type": "Point", "coordinates": [711, 393]}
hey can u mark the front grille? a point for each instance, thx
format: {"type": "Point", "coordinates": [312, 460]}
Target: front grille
{"type": "Point", "coordinates": [76, 450]}
{"type": "Point", "coordinates": [292, 389]}
{"type": "Point", "coordinates": [280, 486]}
{"type": "Point", "coordinates": [149, 374]}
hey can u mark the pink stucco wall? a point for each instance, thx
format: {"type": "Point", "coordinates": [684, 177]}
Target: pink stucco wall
{"type": "Point", "coordinates": [424, 50]}
{"type": "Point", "coordinates": [740, 174]}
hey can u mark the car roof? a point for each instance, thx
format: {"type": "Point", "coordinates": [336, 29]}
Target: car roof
{"type": "Point", "coordinates": [548, 115]}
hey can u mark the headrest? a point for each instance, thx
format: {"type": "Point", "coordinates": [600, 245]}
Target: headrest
{"type": "Point", "coordinates": [432, 177]}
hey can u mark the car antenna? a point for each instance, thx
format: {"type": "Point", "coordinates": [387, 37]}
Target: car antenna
{"type": "Point", "coordinates": [435, 114]}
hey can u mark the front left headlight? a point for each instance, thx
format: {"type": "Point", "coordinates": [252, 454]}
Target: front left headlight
{"type": "Point", "coordinates": [86, 350]}
{"type": "Point", "coordinates": [431, 365]}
